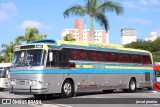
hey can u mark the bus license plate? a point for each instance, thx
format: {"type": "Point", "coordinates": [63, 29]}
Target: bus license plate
{"type": "Point", "coordinates": [22, 82]}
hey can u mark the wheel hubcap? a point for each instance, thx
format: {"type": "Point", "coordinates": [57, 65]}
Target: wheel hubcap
{"type": "Point", "coordinates": [133, 85]}
{"type": "Point", "coordinates": [67, 88]}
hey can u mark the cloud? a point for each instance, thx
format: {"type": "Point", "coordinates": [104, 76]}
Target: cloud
{"type": "Point", "coordinates": [155, 2]}
{"type": "Point", "coordinates": [31, 23]}
{"type": "Point", "coordinates": [140, 4]}
{"type": "Point", "coordinates": [140, 21]}
{"type": "Point", "coordinates": [8, 6]}
{"type": "Point", "coordinates": [7, 11]}
{"type": "Point", "coordinates": [3, 16]}
{"type": "Point", "coordinates": [143, 2]}
{"type": "Point", "coordinates": [129, 4]}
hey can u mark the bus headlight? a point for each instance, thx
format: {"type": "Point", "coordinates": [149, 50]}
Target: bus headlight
{"type": "Point", "coordinates": [13, 82]}
{"type": "Point", "coordinates": [33, 82]}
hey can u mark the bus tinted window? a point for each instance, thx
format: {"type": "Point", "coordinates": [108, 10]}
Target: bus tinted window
{"type": "Point", "coordinates": [136, 58]}
{"type": "Point", "coordinates": [96, 56]}
{"type": "Point", "coordinates": [111, 57]}
{"type": "Point", "coordinates": [125, 58]}
{"type": "Point", "coordinates": [79, 55]}
{"type": "Point", "coordinates": [100, 56]}
{"type": "Point", "coordinates": [146, 59]}
{"type": "Point", "coordinates": [93, 55]}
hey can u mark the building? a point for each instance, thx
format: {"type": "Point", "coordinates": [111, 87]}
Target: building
{"type": "Point", "coordinates": [81, 34]}
{"type": "Point", "coordinates": [153, 36]}
{"type": "Point", "coordinates": [128, 35]}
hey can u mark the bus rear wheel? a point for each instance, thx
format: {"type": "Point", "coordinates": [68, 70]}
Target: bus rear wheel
{"type": "Point", "coordinates": [132, 85]}
{"type": "Point", "coordinates": [67, 89]}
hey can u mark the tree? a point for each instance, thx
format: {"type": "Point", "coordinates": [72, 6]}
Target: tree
{"type": "Point", "coordinates": [8, 51]}
{"type": "Point", "coordinates": [95, 9]}
{"type": "Point", "coordinates": [31, 34]}
{"type": "Point", "coordinates": [1, 59]}
{"type": "Point", "coordinates": [152, 46]}
{"type": "Point", "coordinates": [69, 37]}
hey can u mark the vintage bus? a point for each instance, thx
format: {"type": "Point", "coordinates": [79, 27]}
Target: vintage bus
{"type": "Point", "coordinates": [45, 67]}
{"type": "Point", "coordinates": [4, 75]}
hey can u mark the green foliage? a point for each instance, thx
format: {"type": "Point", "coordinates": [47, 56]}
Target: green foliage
{"type": "Point", "coordinates": [158, 74]}
{"type": "Point", "coordinates": [95, 9]}
{"type": "Point", "coordinates": [31, 34]}
{"type": "Point", "coordinates": [1, 59]}
{"type": "Point", "coordinates": [7, 51]}
{"type": "Point", "coordinates": [69, 37]}
{"type": "Point", "coordinates": [152, 46]}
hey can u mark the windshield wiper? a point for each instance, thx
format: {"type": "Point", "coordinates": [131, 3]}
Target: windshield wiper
{"type": "Point", "coordinates": [15, 65]}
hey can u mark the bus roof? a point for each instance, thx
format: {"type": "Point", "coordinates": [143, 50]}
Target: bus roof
{"type": "Point", "coordinates": [85, 44]}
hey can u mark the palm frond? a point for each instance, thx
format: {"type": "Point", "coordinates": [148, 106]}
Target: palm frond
{"type": "Point", "coordinates": [20, 38]}
{"type": "Point", "coordinates": [76, 10]}
{"type": "Point", "coordinates": [36, 37]}
{"type": "Point", "coordinates": [111, 7]}
{"type": "Point", "coordinates": [103, 20]}
{"type": "Point", "coordinates": [4, 46]}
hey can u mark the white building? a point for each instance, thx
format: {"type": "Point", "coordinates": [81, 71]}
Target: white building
{"type": "Point", "coordinates": [81, 34]}
{"type": "Point", "coordinates": [128, 35]}
{"type": "Point", "coordinates": [153, 36]}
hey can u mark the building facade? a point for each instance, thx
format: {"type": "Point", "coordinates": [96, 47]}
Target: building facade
{"type": "Point", "coordinates": [128, 35]}
{"type": "Point", "coordinates": [153, 36]}
{"type": "Point", "coordinates": [81, 34]}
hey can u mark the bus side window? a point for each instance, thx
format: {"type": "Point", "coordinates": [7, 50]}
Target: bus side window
{"type": "Point", "coordinates": [83, 55]}
{"type": "Point", "coordinates": [79, 55]}
{"type": "Point", "coordinates": [146, 59]}
{"type": "Point", "coordinates": [100, 56]}
{"type": "Point", "coordinates": [111, 57]}
{"type": "Point", "coordinates": [125, 58]}
{"type": "Point", "coordinates": [63, 59]}
{"type": "Point", "coordinates": [136, 58]}
{"type": "Point", "coordinates": [93, 56]}
{"type": "Point", "coordinates": [54, 63]}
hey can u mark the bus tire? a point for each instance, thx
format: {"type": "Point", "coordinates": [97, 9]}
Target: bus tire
{"type": "Point", "coordinates": [39, 96]}
{"type": "Point", "coordinates": [108, 91]}
{"type": "Point", "coordinates": [67, 90]}
{"type": "Point", "coordinates": [132, 85]}
{"type": "Point", "coordinates": [1, 89]}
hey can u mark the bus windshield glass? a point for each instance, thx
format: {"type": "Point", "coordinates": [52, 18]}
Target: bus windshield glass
{"type": "Point", "coordinates": [1, 73]}
{"type": "Point", "coordinates": [28, 58]}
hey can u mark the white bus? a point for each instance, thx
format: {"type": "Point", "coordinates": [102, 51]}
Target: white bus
{"type": "Point", "coordinates": [4, 75]}
{"type": "Point", "coordinates": [46, 67]}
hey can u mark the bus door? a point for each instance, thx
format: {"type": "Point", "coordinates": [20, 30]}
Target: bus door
{"type": "Point", "coordinates": [58, 58]}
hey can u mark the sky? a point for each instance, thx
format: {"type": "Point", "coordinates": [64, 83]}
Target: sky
{"type": "Point", "coordinates": [47, 16]}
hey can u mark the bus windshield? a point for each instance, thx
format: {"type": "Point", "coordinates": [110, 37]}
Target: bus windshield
{"type": "Point", "coordinates": [28, 58]}
{"type": "Point", "coordinates": [1, 73]}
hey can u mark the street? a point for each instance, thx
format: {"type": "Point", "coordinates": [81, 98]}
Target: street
{"type": "Point", "coordinates": [61, 102]}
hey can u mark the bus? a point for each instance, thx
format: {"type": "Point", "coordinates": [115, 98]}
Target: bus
{"type": "Point", "coordinates": [45, 67]}
{"type": "Point", "coordinates": [4, 75]}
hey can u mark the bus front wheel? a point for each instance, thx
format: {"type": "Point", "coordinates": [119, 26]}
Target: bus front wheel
{"type": "Point", "coordinates": [67, 89]}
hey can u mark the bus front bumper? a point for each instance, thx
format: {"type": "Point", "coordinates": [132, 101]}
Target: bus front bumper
{"type": "Point", "coordinates": [28, 90]}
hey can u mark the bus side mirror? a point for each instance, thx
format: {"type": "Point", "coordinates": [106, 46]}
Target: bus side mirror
{"type": "Point", "coordinates": [50, 56]}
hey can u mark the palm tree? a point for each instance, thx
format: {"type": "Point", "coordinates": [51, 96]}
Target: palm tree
{"type": "Point", "coordinates": [8, 51]}
{"type": "Point", "coordinates": [69, 37]}
{"type": "Point", "coordinates": [95, 9]}
{"type": "Point", "coordinates": [31, 34]}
